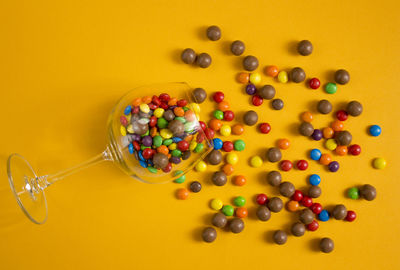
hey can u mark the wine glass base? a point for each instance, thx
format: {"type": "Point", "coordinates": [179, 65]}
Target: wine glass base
{"type": "Point", "coordinates": [27, 188]}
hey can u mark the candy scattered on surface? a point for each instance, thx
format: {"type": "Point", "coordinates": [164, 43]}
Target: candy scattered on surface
{"type": "Point", "coordinates": [379, 163]}
{"type": "Point", "coordinates": [305, 47]}
{"type": "Point", "coordinates": [375, 130]}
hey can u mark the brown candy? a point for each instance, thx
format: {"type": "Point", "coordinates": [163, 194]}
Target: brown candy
{"type": "Point", "coordinates": [280, 237]}
{"type": "Point", "coordinates": [267, 92]}
{"type": "Point", "coordinates": [326, 245]}
{"type": "Point", "coordinates": [298, 229]}
{"type": "Point", "coordinates": [199, 95]}
{"type": "Point", "coordinates": [219, 220]}
{"type": "Point", "coordinates": [213, 33]}
{"type": "Point", "coordinates": [237, 47]}
{"type": "Point", "coordinates": [177, 128]}
{"type": "Point", "coordinates": [324, 106]}
{"type": "Point", "coordinates": [186, 155]}
{"type": "Point", "coordinates": [250, 118]}
{"type": "Point", "coordinates": [263, 213]}
{"type": "Point", "coordinates": [343, 138]}
{"type": "Point", "coordinates": [297, 75]}
{"type": "Point", "coordinates": [286, 189]}
{"type": "Point", "coordinates": [274, 154]}
{"type": "Point", "coordinates": [209, 234]}
{"type": "Point", "coordinates": [339, 212]}
{"type": "Point", "coordinates": [342, 76]}
{"type": "Point", "coordinates": [306, 216]}
{"type": "Point", "coordinates": [275, 204]}
{"type": "Point", "coordinates": [160, 160]}
{"type": "Point", "coordinates": [314, 191]}
{"type": "Point", "coordinates": [354, 108]}
{"type": "Point", "coordinates": [250, 63]}
{"type": "Point", "coordinates": [214, 157]}
{"type": "Point", "coordinates": [306, 129]}
{"type": "Point", "coordinates": [139, 128]}
{"type": "Point", "coordinates": [277, 104]}
{"type": "Point", "coordinates": [188, 56]}
{"type": "Point", "coordinates": [236, 225]}
{"type": "Point", "coordinates": [203, 60]}
{"type": "Point", "coordinates": [169, 115]}
{"type": "Point", "coordinates": [274, 178]}
{"type": "Point", "coordinates": [368, 192]}
{"type": "Point", "coordinates": [195, 186]}
{"type": "Point", "coordinates": [305, 47]}
{"type": "Point", "coordinates": [219, 178]}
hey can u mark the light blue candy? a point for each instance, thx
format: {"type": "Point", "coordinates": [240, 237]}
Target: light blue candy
{"type": "Point", "coordinates": [315, 179]}
{"type": "Point", "coordinates": [315, 154]}
{"type": "Point", "coordinates": [375, 130]}
{"type": "Point", "coordinates": [130, 148]}
{"type": "Point", "coordinates": [128, 110]}
{"type": "Point", "coordinates": [323, 216]}
{"type": "Point", "coordinates": [217, 143]}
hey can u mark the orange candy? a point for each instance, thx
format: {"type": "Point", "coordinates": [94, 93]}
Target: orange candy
{"type": "Point", "coordinates": [163, 149]}
{"type": "Point", "coordinates": [228, 169]}
{"type": "Point", "coordinates": [172, 101]}
{"type": "Point", "coordinates": [243, 77]}
{"type": "Point", "coordinates": [337, 125]}
{"type": "Point", "coordinates": [341, 150]}
{"type": "Point", "coordinates": [325, 159]}
{"type": "Point", "coordinates": [190, 116]}
{"type": "Point", "coordinates": [283, 144]}
{"type": "Point", "coordinates": [178, 111]}
{"type": "Point", "coordinates": [239, 180]}
{"type": "Point", "coordinates": [137, 102]}
{"type": "Point", "coordinates": [215, 124]}
{"type": "Point", "coordinates": [153, 131]}
{"type": "Point", "coordinates": [182, 193]}
{"type": "Point", "coordinates": [188, 138]}
{"type": "Point", "coordinates": [223, 105]}
{"type": "Point", "coordinates": [292, 206]}
{"type": "Point", "coordinates": [241, 212]}
{"type": "Point", "coordinates": [238, 129]}
{"type": "Point", "coordinates": [271, 71]}
{"type": "Point", "coordinates": [146, 99]}
{"type": "Point", "coordinates": [327, 132]}
{"type": "Point", "coordinates": [307, 117]}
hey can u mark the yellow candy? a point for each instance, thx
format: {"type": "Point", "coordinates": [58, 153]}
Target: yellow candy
{"type": "Point", "coordinates": [172, 146]}
{"type": "Point", "coordinates": [144, 108]}
{"type": "Point", "coordinates": [283, 76]}
{"type": "Point", "coordinates": [195, 107]}
{"type": "Point", "coordinates": [379, 163]}
{"type": "Point", "coordinates": [225, 130]}
{"type": "Point", "coordinates": [130, 129]}
{"type": "Point", "coordinates": [330, 144]}
{"type": "Point", "coordinates": [256, 162]}
{"type": "Point", "coordinates": [255, 78]}
{"type": "Point", "coordinates": [192, 145]}
{"type": "Point", "coordinates": [166, 133]}
{"type": "Point", "coordinates": [201, 166]}
{"type": "Point", "coordinates": [197, 116]}
{"type": "Point", "coordinates": [123, 131]}
{"type": "Point", "coordinates": [158, 112]}
{"type": "Point", "coordinates": [232, 158]}
{"type": "Point", "coordinates": [128, 117]}
{"type": "Point", "coordinates": [216, 204]}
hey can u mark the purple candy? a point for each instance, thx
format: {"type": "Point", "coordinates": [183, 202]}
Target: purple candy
{"type": "Point", "coordinates": [333, 166]}
{"type": "Point", "coordinates": [251, 89]}
{"type": "Point", "coordinates": [317, 134]}
{"type": "Point", "coordinates": [175, 160]}
{"type": "Point", "coordinates": [147, 141]}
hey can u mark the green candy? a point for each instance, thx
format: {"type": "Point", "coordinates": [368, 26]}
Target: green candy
{"type": "Point", "coordinates": [157, 141]}
{"type": "Point", "coordinates": [353, 193]}
{"type": "Point", "coordinates": [147, 133]}
{"type": "Point", "coordinates": [181, 119]}
{"type": "Point", "coordinates": [180, 179]}
{"type": "Point", "coordinates": [152, 169]}
{"type": "Point", "coordinates": [189, 126]}
{"type": "Point", "coordinates": [331, 88]}
{"type": "Point", "coordinates": [185, 109]}
{"type": "Point", "coordinates": [167, 142]}
{"type": "Point", "coordinates": [176, 153]}
{"type": "Point", "coordinates": [142, 147]}
{"type": "Point", "coordinates": [228, 210]}
{"type": "Point", "coordinates": [199, 148]}
{"type": "Point", "coordinates": [239, 145]}
{"type": "Point", "coordinates": [239, 201]}
{"type": "Point", "coordinates": [219, 114]}
{"type": "Point", "coordinates": [162, 123]}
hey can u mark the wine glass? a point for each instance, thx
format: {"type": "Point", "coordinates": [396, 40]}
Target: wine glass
{"type": "Point", "coordinates": [28, 187]}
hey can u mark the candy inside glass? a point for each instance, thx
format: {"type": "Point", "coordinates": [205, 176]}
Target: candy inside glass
{"type": "Point", "coordinates": [28, 187]}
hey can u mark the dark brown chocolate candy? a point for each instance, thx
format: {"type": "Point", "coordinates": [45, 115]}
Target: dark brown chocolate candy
{"type": "Point", "coordinates": [139, 128]}
{"type": "Point", "coordinates": [275, 204]}
{"type": "Point", "coordinates": [297, 75]}
{"type": "Point", "coordinates": [280, 237]}
{"type": "Point", "coordinates": [263, 213]}
{"type": "Point", "coordinates": [188, 56]}
{"type": "Point", "coordinates": [209, 234]}
{"type": "Point", "coordinates": [305, 47]}
{"type": "Point", "coordinates": [306, 216]}
{"type": "Point", "coordinates": [274, 178]}
{"type": "Point", "coordinates": [339, 212]}
{"type": "Point", "coordinates": [186, 155]}
{"type": "Point", "coordinates": [237, 47]}
{"type": "Point", "coordinates": [203, 60]}
{"type": "Point", "coordinates": [298, 229]}
{"type": "Point", "coordinates": [219, 178]}
{"type": "Point", "coordinates": [169, 115]}
{"type": "Point", "coordinates": [277, 104]}
{"type": "Point", "coordinates": [314, 191]}
{"type": "Point", "coordinates": [213, 33]}
{"type": "Point", "coordinates": [343, 138]}
{"type": "Point", "coordinates": [267, 92]}
{"type": "Point", "coordinates": [250, 63]}
{"type": "Point", "coordinates": [306, 129]}
{"type": "Point", "coordinates": [199, 95]}
{"type": "Point", "coordinates": [195, 186]}
{"type": "Point", "coordinates": [274, 154]}
{"type": "Point", "coordinates": [354, 108]}
{"type": "Point", "coordinates": [236, 225]}
{"type": "Point", "coordinates": [324, 106]}
{"type": "Point", "coordinates": [342, 76]}
{"type": "Point", "coordinates": [250, 118]}
{"type": "Point", "coordinates": [214, 157]}
{"type": "Point", "coordinates": [287, 189]}
{"type": "Point", "coordinates": [177, 128]}
{"type": "Point", "coordinates": [219, 220]}
{"type": "Point", "coordinates": [326, 245]}
{"type": "Point", "coordinates": [368, 192]}
{"type": "Point", "coordinates": [160, 160]}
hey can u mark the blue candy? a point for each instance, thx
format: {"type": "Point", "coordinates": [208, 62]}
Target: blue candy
{"type": "Point", "coordinates": [375, 130]}
{"type": "Point", "coordinates": [314, 179]}
{"type": "Point", "coordinates": [141, 156]}
{"type": "Point", "coordinates": [176, 139]}
{"type": "Point", "coordinates": [130, 148]}
{"type": "Point", "coordinates": [315, 154]}
{"type": "Point", "coordinates": [128, 110]}
{"type": "Point", "coordinates": [143, 164]}
{"type": "Point", "coordinates": [217, 143]}
{"type": "Point", "coordinates": [324, 215]}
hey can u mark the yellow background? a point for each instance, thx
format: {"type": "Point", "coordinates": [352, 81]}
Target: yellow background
{"type": "Point", "coordinates": [64, 64]}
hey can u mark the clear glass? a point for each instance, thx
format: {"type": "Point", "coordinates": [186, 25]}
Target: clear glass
{"type": "Point", "coordinates": [28, 187]}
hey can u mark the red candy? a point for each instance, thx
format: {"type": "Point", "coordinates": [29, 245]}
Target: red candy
{"type": "Point", "coordinates": [302, 165]}
{"type": "Point", "coordinates": [342, 115]}
{"type": "Point", "coordinates": [164, 97]}
{"type": "Point", "coordinates": [351, 216]}
{"type": "Point", "coordinates": [218, 97]}
{"type": "Point", "coordinates": [148, 153]}
{"type": "Point", "coordinates": [183, 145]}
{"type": "Point", "coordinates": [261, 199]}
{"type": "Point", "coordinates": [257, 100]}
{"type": "Point", "coordinates": [136, 145]}
{"type": "Point", "coordinates": [123, 121]}
{"type": "Point", "coordinates": [313, 226]}
{"type": "Point", "coordinates": [297, 196]}
{"type": "Point", "coordinates": [156, 101]}
{"type": "Point", "coordinates": [306, 201]}
{"type": "Point", "coordinates": [153, 106]}
{"type": "Point", "coordinates": [229, 115]}
{"type": "Point", "coordinates": [286, 165]}
{"type": "Point", "coordinates": [316, 208]}
{"type": "Point", "coordinates": [202, 125]}
{"type": "Point", "coordinates": [355, 149]}
{"type": "Point", "coordinates": [200, 137]}
{"type": "Point", "coordinates": [314, 83]}
{"type": "Point", "coordinates": [167, 168]}
{"type": "Point", "coordinates": [153, 121]}
{"type": "Point", "coordinates": [135, 110]}
{"type": "Point", "coordinates": [264, 128]}
{"type": "Point", "coordinates": [182, 103]}
{"type": "Point", "coordinates": [209, 133]}
{"type": "Point", "coordinates": [227, 146]}
{"type": "Point", "coordinates": [164, 106]}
